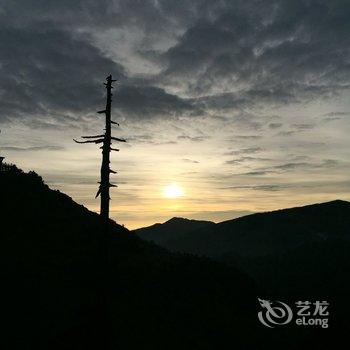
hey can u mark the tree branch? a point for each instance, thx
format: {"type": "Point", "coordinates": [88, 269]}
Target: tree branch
{"type": "Point", "coordinates": [98, 192]}
{"type": "Point", "coordinates": [92, 137]}
{"type": "Point", "coordinates": [117, 139]}
{"type": "Point", "coordinates": [90, 141]}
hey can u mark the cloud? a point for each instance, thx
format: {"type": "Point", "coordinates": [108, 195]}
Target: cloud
{"type": "Point", "coordinates": [47, 71]}
{"type": "Point", "coordinates": [199, 138]}
{"type": "Point", "coordinates": [249, 150]}
{"type": "Point", "coordinates": [281, 52]}
{"type": "Point", "coordinates": [149, 102]}
{"type": "Point", "coordinates": [287, 133]}
{"type": "Point", "coordinates": [335, 114]}
{"type": "Point", "coordinates": [34, 148]}
{"type": "Point", "coordinates": [247, 77]}
{"type": "Point", "coordinates": [292, 166]}
{"type": "Point", "coordinates": [186, 160]}
{"type": "Point", "coordinates": [51, 72]}
{"type": "Point", "coordinates": [267, 187]}
{"type": "Point", "coordinates": [302, 127]}
{"type": "Point", "coordinates": [326, 163]}
{"type": "Point", "coordinates": [247, 137]}
{"type": "Point", "coordinates": [51, 67]}
{"type": "Point", "coordinates": [256, 173]}
{"type": "Point", "coordinates": [296, 129]}
{"type": "Point", "coordinates": [245, 159]}
{"type": "Point", "coordinates": [215, 55]}
{"type": "Point", "coordinates": [275, 125]}
{"type": "Point", "coordinates": [143, 138]}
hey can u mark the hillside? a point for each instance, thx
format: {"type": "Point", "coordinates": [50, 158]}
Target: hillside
{"type": "Point", "coordinates": [60, 292]}
{"type": "Point", "coordinates": [299, 252]}
{"type": "Point", "coordinates": [171, 229]}
{"type": "Point", "coordinates": [268, 233]}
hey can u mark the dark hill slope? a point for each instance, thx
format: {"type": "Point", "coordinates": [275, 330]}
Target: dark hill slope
{"type": "Point", "coordinates": [56, 282]}
{"type": "Point", "coordinates": [172, 229]}
{"type": "Point", "coordinates": [270, 233]}
{"type": "Point", "coordinates": [294, 254]}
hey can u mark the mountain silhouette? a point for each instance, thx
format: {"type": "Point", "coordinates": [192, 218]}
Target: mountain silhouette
{"type": "Point", "coordinates": [61, 292]}
{"type": "Point", "coordinates": [157, 300]}
{"type": "Point", "coordinates": [171, 229]}
{"type": "Point", "coordinates": [260, 234]}
{"type": "Point", "coordinates": [293, 254]}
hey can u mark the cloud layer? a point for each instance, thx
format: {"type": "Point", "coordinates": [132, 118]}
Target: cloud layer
{"type": "Point", "coordinates": [212, 56]}
{"type": "Point", "coordinates": [228, 96]}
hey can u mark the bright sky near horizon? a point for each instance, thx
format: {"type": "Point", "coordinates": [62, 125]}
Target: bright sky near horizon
{"type": "Point", "coordinates": [228, 107]}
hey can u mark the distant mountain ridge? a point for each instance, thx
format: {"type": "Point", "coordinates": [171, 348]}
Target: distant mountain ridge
{"type": "Point", "coordinates": [171, 229]}
{"type": "Point", "coordinates": [259, 234]}
{"type": "Point", "coordinates": [299, 251]}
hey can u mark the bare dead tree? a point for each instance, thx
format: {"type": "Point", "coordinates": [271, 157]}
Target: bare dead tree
{"type": "Point", "coordinates": [1, 159]}
{"type": "Point", "coordinates": [106, 141]}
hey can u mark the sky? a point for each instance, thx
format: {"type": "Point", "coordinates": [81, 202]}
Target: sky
{"type": "Point", "coordinates": [244, 105]}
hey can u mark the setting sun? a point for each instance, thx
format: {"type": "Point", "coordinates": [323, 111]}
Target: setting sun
{"type": "Point", "coordinates": [173, 191]}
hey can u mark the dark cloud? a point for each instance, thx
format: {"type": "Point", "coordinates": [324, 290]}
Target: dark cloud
{"type": "Point", "coordinates": [45, 71]}
{"type": "Point", "coordinates": [48, 67]}
{"type": "Point", "coordinates": [326, 163]}
{"type": "Point", "coordinates": [149, 102]}
{"type": "Point", "coordinates": [222, 56]}
{"type": "Point", "coordinates": [247, 137]}
{"type": "Point", "coordinates": [248, 150]}
{"type": "Point", "coordinates": [275, 125]}
{"type": "Point", "coordinates": [50, 72]}
{"type": "Point", "coordinates": [276, 52]}
{"type": "Point", "coordinates": [245, 159]}
{"type": "Point", "coordinates": [256, 173]}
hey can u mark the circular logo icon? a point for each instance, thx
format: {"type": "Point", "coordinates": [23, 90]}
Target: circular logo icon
{"type": "Point", "coordinates": [274, 313]}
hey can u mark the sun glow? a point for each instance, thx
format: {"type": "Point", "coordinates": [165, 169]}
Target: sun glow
{"type": "Point", "coordinates": [173, 191]}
